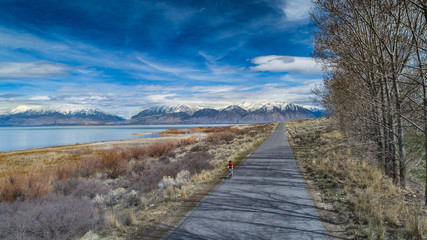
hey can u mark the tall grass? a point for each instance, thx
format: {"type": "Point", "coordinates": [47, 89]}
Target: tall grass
{"type": "Point", "coordinates": [355, 185]}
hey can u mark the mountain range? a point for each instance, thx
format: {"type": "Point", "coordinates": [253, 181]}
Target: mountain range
{"type": "Point", "coordinates": [26, 116]}
{"type": "Point", "coordinates": [164, 114]}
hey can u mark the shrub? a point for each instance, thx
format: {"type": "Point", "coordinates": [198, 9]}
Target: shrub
{"type": "Point", "coordinates": [20, 187]}
{"type": "Point", "coordinates": [110, 199]}
{"type": "Point", "coordinates": [136, 152]}
{"type": "Point", "coordinates": [199, 148]}
{"type": "Point", "coordinates": [182, 177]}
{"type": "Point", "coordinates": [52, 217]}
{"type": "Point", "coordinates": [217, 137]}
{"type": "Point", "coordinates": [80, 188]}
{"type": "Point", "coordinates": [112, 162]}
{"type": "Point", "coordinates": [132, 198]}
{"type": "Point", "coordinates": [87, 168]}
{"type": "Point", "coordinates": [65, 172]}
{"type": "Point", "coordinates": [196, 162]}
{"type": "Point", "coordinates": [187, 141]}
{"type": "Point", "coordinates": [166, 158]}
{"type": "Point", "coordinates": [12, 188]}
{"type": "Point", "coordinates": [159, 149]}
{"type": "Point", "coordinates": [243, 131]}
{"type": "Point", "coordinates": [150, 173]}
{"type": "Point", "coordinates": [166, 182]}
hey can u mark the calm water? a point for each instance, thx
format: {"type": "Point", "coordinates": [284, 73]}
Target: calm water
{"type": "Point", "coordinates": [20, 138]}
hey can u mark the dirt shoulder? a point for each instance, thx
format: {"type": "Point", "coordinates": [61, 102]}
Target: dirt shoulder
{"type": "Point", "coordinates": [336, 224]}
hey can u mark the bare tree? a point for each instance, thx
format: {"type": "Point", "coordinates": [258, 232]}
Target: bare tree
{"type": "Point", "coordinates": [374, 52]}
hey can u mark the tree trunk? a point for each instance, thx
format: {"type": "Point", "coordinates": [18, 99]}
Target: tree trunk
{"type": "Point", "coordinates": [400, 134]}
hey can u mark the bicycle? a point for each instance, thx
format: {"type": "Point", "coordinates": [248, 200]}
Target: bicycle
{"type": "Point", "coordinates": [230, 173]}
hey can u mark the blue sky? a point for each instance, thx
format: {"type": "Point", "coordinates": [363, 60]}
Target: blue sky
{"type": "Point", "coordinates": [123, 56]}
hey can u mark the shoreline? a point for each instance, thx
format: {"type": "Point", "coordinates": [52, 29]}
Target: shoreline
{"type": "Point", "coordinates": [80, 144]}
{"type": "Point", "coordinates": [32, 140]}
{"type": "Point", "coordinates": [40, 159]}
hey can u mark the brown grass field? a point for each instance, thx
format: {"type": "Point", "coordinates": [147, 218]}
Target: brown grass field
{"type": "Point", "coordinates": [39, 160]}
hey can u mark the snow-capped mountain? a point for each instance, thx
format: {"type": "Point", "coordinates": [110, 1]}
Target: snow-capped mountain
{"type": "Point", "coordinates": [58, 115]}
{"type": "Point", "coordinates": [241, 113]}
{"type": "Point", "coordinates": [179, 114]}
{"type": "Point", "coordinates": [164, 109]}
{"type": "Point", "coordinates": [251, 107]}
{"type": "Point", "coordinates": [64, 109]}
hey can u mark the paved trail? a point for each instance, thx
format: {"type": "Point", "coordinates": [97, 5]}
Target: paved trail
{"type": "Point", "coordinates": [266, 199]}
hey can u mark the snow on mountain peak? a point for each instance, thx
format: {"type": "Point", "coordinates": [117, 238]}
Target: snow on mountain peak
{"type": "Point", "coordinates": [250, 107]}
{"type": "Point", "coordinates": [174, 109]}
{"type": "Point", "coordinates": [64, 109]}
{"type": "Point", "coordinates": [24, 108]}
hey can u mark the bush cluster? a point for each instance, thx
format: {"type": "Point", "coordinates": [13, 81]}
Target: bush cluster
{"type": "Point", "coordinates": [218, 137]}
{"type": "Point", "coordinates": [51, 217]}
{"type": "Point", "coordinates": [146, 175]}
{"type": "Point", "coordinates": [21, 187]}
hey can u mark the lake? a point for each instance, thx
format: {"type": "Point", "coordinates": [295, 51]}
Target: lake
{"type": "Point", "coordinates": [20, 138]}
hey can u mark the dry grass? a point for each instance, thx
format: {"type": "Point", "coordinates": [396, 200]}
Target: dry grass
{"type": "Point", "coordinates": [124, 180]}
{"type": "Point", "coordinates": [355, 186]}
{"type": "Point", "coordinates": [39, 160]}
{"type": "Point", "coordinates": [230, 129]}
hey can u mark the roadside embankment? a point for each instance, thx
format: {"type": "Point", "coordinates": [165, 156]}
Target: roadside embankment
{"type": "Point", "coordinates": [352, 195]}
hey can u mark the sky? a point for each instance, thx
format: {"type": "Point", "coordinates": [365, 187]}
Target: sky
{"type": "Point", "coordinates": [124, 56]}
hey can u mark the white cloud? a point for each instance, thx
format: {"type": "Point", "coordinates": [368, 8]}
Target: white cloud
{"type": "Point", "coordinates": [214, 89]}
{"type": "Point", "coordinates": [299, 79]}
{"type": "Point", "coordinates": [297, 10]}
{"type": "Point", "coordinates": [39, 98]}
{"type": "Point", "coordinates": [32, 69]}
{"type": "Point", "coordinates": [290, 64]}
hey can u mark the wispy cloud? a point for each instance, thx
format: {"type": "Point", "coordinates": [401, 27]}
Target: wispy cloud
{"type": "Point", "coordinates": [135, 54]}
{"type": "Point", "coordinates": [290, 64]}
{"type": "Point", "coordinates": [39, 98]}
{"type": "Point", "coordinates": [297, 10]}
{"type": "Point", "coordinates": [32, 69]}
{"type": "Point", "coordinates": [11, 95]}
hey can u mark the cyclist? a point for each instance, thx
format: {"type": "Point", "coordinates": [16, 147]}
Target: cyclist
{"type": "Point", "coordinates": [230, 168]}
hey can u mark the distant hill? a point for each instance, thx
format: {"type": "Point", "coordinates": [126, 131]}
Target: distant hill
{"type": "Point", "coordinates": [242, 113]}
{"type": "Point", "coordinates": [26, 116]}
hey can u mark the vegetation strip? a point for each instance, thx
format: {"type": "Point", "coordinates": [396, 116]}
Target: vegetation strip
{"type": "Point", "coordinates": [370, 206]}
{"type": "Point", "coordinates": [375, 81]}
{"type": "Point", "coordinates": [126, 192]}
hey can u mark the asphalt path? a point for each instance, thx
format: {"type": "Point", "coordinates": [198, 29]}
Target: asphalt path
{"type": "Point", "coordinates": [265, 199]}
